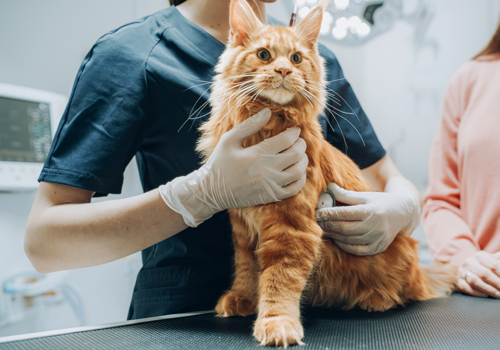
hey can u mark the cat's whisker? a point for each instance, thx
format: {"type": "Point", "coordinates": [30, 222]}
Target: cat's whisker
{"type": "Point", "coordinates": [193, 78]}
{"type": "Point", "coordinates": [198, 117]}
{"type": "Point", "coordinates": [243, 92]}
{"type": "Point", "coordinates": [328, 121]}
{"type": "Point", "coordinates": [329, 81]}
{"type": "Point", "coordinates": [191, 112]}
{"type": "Point", "coordinates": [348, 105]}
{"type": "Point", "coordinates": [328, 95]}
{"type": "Point", "coordinates": [246, 94]}
{"type": "Point", "coordinates": [338, 110]}
{"type": "Point", "coordinates": [234, 77]}
{"type": "Point", "coordinates": [335, 99]}
{"type": "Point", "coordinates": [189, 88]}
{"type": "Point", "coordinates": [327, 90]}
{"type": "Point", "coordinates": [319, 87]}
{"type": "Point", "coordinates": [199, 109]}
{"type": "Point", "coordinates": [361, 137]}
{"type": "Point", "coordinates": [257, 94]}
{"type": "Point", "coordinates": [244, 88]}
{"type": "Point", "coordinates": [340, 128]}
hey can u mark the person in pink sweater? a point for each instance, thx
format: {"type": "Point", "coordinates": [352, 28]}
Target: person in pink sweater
{"type": "Point", "coordinates": [461, 215]}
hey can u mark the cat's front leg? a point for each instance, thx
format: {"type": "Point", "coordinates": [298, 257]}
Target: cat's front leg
{"type": "Point", "coordinates": [288, 247]}
{"type": "Point", "coordinates": [241, 300]}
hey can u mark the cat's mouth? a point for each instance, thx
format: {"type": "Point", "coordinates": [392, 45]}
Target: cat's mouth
{"type": "Point", "coordinates": [280, 94]}
{"type": "Point", "coordinates": [282, 86]}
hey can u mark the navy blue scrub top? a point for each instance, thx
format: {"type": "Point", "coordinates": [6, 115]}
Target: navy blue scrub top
{"type": "Point", "coordinates": [135, 89]}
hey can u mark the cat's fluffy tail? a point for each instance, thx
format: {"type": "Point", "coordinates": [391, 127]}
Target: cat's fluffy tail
{"type": "Point", "coordinates": [441, 278]}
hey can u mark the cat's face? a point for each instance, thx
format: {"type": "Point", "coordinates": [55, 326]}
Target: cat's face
{"type": "Point", "coordinates": [276, 63]}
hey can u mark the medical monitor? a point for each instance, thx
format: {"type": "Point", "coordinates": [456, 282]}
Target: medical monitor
{"type": "Point", "coordinates": [28, 122]}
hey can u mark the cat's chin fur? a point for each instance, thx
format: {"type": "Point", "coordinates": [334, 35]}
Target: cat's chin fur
{"type": "Point", "coordinates": [280, 95]}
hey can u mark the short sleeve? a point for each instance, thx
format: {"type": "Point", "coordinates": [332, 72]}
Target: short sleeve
{"type": "Point", "coordinates": [103, 124]}
{"type": "Point", "coordinates": [344, 122]}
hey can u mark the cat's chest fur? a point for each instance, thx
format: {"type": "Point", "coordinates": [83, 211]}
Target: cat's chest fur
{"type": "Point", "coordinates": [283, 118]}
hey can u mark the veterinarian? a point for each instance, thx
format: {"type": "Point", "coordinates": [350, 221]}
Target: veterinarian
{"type": "Point", "coordinates": [141, 90]}
{"type": "Point", "coordinates": [462, 207]}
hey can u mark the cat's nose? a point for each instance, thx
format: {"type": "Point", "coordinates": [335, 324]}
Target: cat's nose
{"type": "Point", "coordinates": [283, 71]}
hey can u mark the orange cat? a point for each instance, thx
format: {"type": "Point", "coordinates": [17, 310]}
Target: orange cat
{"type": "Point", "coordinates": [279, 247]}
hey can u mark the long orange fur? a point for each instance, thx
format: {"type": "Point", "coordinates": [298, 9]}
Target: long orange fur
{"type": "Point", "coordinates": [281, 255]}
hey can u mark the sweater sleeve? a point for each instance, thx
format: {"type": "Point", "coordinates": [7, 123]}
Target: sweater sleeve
{"type": "Point", "coordinates": [449, 237]}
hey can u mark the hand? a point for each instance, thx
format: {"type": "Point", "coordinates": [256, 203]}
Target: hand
{"type": "Point", "coordinates": [373, 220]}
{"type": "Point", "coordinates": [236, 177]}
{"type": "Point", "coordinates": [479, 275]}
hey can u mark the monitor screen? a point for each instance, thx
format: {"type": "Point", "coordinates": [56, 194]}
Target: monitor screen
{"type": "Point", "coordinates": [24, 130]}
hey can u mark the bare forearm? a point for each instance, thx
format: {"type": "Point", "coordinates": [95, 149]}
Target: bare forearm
{"type": "Point", "coordinates": [385, 176]}
{"type": "Point", "coordinates": [68, 236]}
{"type": "Point", "coordinates": [399, 181]}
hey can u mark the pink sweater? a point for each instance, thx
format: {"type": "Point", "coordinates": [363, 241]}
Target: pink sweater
{"type": "Point", "coordinates": [462, 203]}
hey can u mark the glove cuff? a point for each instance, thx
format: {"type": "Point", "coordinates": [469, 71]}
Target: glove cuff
{"type": "Point", "coordinates": [184, 195]}
{"type": "Point", "coordinates": [412, 207]}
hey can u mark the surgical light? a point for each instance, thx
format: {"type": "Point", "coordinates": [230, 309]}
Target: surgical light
{"type": "Point", "coordinates": [339, 33]}
{"type": "Point", "coordinates": [325, 28]}
{"type": "Point", "coordinates": [304, 11]}
{"type": "Point", "coordinates": [327, 18]}
{"type": "Point", "coordinates": [342, 22]}
{"type": "Point", "coordinates": [341, 4]}
{"type": "Point", "coordinates": [354, 22]}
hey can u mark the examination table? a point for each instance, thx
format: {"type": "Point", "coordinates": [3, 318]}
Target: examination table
{"type": "Point", "coordinates": [457, 322]}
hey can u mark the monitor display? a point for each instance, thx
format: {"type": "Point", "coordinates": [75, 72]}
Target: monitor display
{"type": "Point", "coordinates": [25, 130]}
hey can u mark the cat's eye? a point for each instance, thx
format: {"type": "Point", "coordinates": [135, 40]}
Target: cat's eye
{"type": "Point", "coordinates": [263, 54]}
{"type": "Point", "coordinates": [296, 58]}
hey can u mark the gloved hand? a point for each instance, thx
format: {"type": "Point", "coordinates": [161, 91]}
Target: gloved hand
{"type": "Point", "coordinates": [370, 225]}
{"type": "Point", "coordinates": [479, 275]}
{"type": "Point", "coordinates": [235, 177]}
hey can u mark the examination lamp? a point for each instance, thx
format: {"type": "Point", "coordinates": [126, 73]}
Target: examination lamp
{"type": "Point", "coordinates": [355, 22]}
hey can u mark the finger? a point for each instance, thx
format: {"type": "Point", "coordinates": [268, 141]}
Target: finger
{"type": "Point", "coordinates": [466, 288]}
{"type": "Point", "coordinates": [364, 232]}
{"type": "Point", "coordinates": [366, 239]}
{"type": "Point", "coordinates": [488, 277]}
{"type": "Point", "coordinates": [295, 172]}
{"type": "Point", "coordinates": [280, 142]}
{"type": "Point", "coordinates": [293, 188]}
{"type": "Point", "coordinates": [491, 262]}
{"type": "Point", "coordinates": [475, 281]}
{"type": "Point", "coordinates": [359, 250]}
{"type": "Point", "coordinates": [347, 197]}
{"type": "Point", "coordinates": [291, 156]}
{"type": "Point", "coordinates": [248, 127]}
{"type": "Point", "coordinates": [339, 227]}
{"type": "Point", "coordinates": [352, 213]}
{"type": "Point", "coordinates": [486, 259]}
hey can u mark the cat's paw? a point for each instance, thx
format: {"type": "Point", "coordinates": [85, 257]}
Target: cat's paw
{"type": "Point", "coordinates": [279, 331]}
{"type": "Point", "coordinates": [376, 303]}
{"type": "Point", "coordinates": [232, 304]}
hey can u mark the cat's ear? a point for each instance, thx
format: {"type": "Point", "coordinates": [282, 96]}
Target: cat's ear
{"type": "Point", "coordinates": [308, 29]}
{"type": "Point", "coordinates": [243, 21]}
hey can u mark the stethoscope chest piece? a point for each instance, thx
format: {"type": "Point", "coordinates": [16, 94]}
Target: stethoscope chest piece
{"type": "Point", "coordinates": [326, 200]}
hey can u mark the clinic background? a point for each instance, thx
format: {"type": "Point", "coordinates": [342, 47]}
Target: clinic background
{"type": "Point", "coordinates": [399, 82]}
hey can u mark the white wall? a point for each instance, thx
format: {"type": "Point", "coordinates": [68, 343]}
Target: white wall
{"type": "Point", "coordinates": [401, 84]}
{"type": "Point", "coordinates": [42, 43]}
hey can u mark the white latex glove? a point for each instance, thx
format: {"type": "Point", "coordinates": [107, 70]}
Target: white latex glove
{"type": "Point", "coordinates": [236, 177]}
{"type": "Point", "coordinates": [372, 221]}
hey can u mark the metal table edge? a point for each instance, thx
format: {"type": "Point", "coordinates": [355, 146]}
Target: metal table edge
{"type": "Point", "coordinates": [11, 338]}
